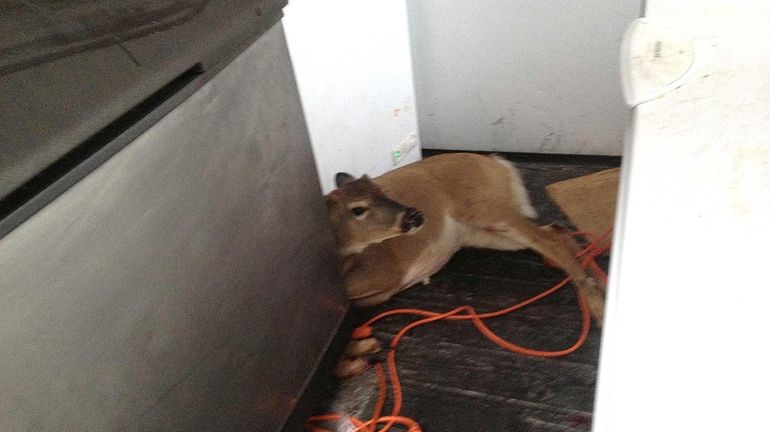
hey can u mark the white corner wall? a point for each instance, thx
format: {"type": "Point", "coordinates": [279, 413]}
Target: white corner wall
{"type": "Point", "coordinates": [353, 66]}
{"type": "Point", "coordinates": [524, 75]}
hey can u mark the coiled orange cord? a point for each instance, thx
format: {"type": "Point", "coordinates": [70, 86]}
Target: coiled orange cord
{"type": "Point", "coordinates": [587, 255]}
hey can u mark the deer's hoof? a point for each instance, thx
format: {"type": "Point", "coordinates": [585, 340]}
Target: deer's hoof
{"type": "Point", "coordinates": [348, 368]}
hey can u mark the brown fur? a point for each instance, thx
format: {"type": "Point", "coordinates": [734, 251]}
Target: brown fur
{"type": "Point", "coordinates": [467, 200]}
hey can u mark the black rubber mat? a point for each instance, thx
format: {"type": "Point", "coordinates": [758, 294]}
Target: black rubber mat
{"type": "Point", "coordinates": [456, 380]}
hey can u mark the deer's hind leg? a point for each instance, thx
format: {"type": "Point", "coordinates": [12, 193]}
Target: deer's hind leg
{"type": "Point", "coordinates": [523, 233]}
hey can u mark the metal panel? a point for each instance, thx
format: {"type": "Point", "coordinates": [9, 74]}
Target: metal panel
{"type": "Point", "coordinates": [188, 283]}
{"type": "Point", "coordinates": [69, 68]}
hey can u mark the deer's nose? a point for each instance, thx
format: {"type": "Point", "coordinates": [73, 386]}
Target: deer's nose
{"type": "Point", "coordinates": [413, 218]}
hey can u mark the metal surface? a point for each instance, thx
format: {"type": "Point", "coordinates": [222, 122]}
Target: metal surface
{"type": "Point", "coordinates": [188, 283]}
{"type": "Point", "coordinates": [68, 69]}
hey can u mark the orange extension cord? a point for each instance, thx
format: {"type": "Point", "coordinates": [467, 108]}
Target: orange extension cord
{"type": "Point", "coordinates": [587, 256]}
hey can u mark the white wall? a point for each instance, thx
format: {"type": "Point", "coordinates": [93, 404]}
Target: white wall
{"type": "Point", "coordinates": [523, 75]}
{"type": "Point", "coordinates": [353, 66]}
{"type": "Point", "coordinates": [685, 339]}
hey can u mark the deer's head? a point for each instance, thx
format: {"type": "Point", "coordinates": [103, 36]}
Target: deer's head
{"type": "Point", "coordinates": [361, 214]}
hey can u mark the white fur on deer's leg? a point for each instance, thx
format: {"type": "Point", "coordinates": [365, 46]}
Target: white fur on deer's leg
{"type": "Point", "coordinates": [355, 359]}
{"type": "Point", "coordinates": [360, 348]}
{"type": "Point", "coordinates": [592, 294]}
{"type": "Point", "coordinates": [596, 282]}
{"type": "Point", "coordinates": [348, 368]}
{"type": "Point", "coordinates": [426, 281]}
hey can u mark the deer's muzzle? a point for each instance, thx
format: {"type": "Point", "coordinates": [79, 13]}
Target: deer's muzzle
{"type": "Point", "coordinates": [412, 219]}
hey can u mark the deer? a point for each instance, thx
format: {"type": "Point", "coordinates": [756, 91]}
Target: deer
{"type": "Point", "coordinates": [397, 230]}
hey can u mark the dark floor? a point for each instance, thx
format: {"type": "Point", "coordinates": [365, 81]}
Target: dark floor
{"type": "Point", "coordinates": [454, 379]}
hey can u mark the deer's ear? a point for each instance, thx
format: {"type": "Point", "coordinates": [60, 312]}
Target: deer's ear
{"type": "Point", "coordinates": [341, 179]}
{"type": "Point", "coordinates": [332, 200]}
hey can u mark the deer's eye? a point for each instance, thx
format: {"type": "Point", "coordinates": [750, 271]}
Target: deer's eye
{"type": "Point", "coordinates": [358, 211]}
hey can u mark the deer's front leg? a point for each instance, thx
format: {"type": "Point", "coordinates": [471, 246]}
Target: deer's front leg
{"type": "Point", "coordinates": [371, 277]}
{"type": "Point", "coordinates": [355, 357]}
